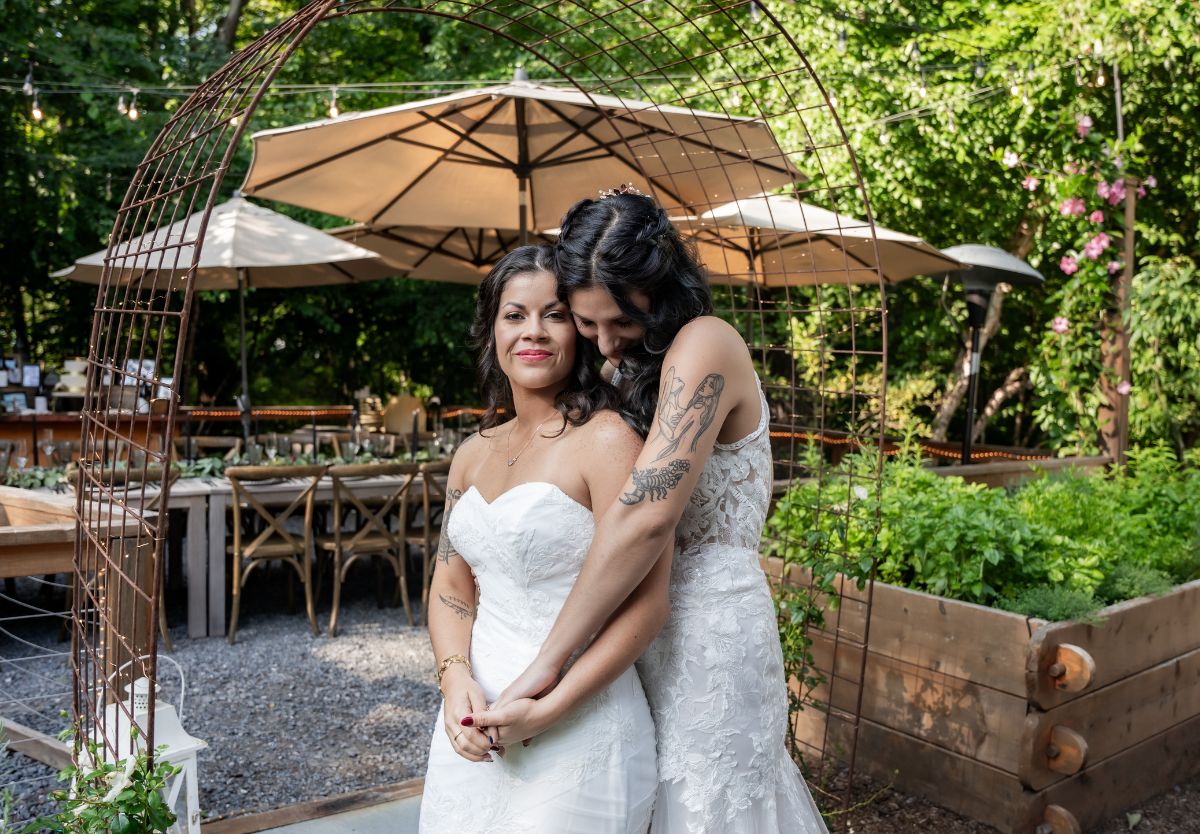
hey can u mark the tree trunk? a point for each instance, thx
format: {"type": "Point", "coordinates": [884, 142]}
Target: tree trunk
{"type": "Point", "coordinates": [1017, 380]}
{"type": "Point", "coordinates": [228, 29]}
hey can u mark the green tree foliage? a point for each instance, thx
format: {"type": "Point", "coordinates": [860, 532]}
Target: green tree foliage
{"type": "Point", "coordinates": [929, 126]}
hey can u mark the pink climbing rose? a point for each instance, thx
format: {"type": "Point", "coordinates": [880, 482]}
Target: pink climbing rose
{"type": "Point", "coordinates": [1114, 267]}
{"type": "Point", "coordinates": [1151, 181]}
{"type": "Point", "coordinates": [1031, 183]}
{"type": "Point", "coordinates": [1124, 387]}
{"type": "Point", "coordinates": [1103, 189]}
{"type": "Point", "coordinates": [1072, 207]}
{"type": "Point", "coordinates": [1096, 216]}
{"type": "Point", "coordinates": [1061, 324]}
{"type": "Point", "coordinates": [1095, 247]}
{"type": "Point", "coordinates": [1083, 125]}
{"type": "Point", "coordinates": [1068, 265]}
{"type": "Point", "coordinates": [1116, 192]}
{"type": "Point", "coordinates": [1011, 160]}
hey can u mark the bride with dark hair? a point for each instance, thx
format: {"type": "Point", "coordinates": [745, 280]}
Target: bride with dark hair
{"type": "Point", "coordinates": [714, 676]}
{"type": "Point", "coordinates": [518, 521]}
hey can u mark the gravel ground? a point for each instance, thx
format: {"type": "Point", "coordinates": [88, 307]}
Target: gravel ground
{"type": "Point", "coordinates": [287, 717]}
{"type": "Point", "coordinates": [290, 718]}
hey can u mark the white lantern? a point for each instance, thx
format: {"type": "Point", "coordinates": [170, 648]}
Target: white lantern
{"type": "Point", "coordinates": [172, 744]}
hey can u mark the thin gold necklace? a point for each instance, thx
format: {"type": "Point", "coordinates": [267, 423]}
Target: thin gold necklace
{"type": "Point", "coordinates": [528, 443]}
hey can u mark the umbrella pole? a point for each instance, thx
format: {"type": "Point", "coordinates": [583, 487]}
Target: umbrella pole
{"type": "Point", "coordinates": [977, 303]}
{"type": "Point", "coordinates": [522, 169]}
{"type": "Point", "coordinates": [244, 403]}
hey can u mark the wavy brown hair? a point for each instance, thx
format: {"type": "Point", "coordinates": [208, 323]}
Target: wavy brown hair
{"type": "Point", "coordinates": [585, 393]}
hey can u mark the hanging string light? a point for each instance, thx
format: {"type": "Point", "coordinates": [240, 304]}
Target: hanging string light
{"type": "Point", "coordinates": [1100, 76]}
{"type": "Point", "coordinates": [923, 90]}
{"type": "Point", "coordinates": [755, 13]}
{"type": "Point", "coordinates": [122, 108]}
{"type": "Point", "coordinates": [334, 112]}
{"type": "Point", "coordinates": [35, 111]}
{"type": "Point", "coordinates": [842, 39]}
{"type": "Point", "coordinates": [133, 111]}
{"type": "Point", "coordinates": [1014, 81]}
{"type": "Point", "coordinates": [27, 87]}
{"type": "Point", "coordinates": [980, 66]}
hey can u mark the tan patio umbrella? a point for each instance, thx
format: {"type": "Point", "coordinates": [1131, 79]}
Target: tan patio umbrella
{"type": "Point", "coordinates": [515, 155]}
{"type": "Point", "coordinates": [244, 246]}
{"type": "Point", "coordinates": [459, 256]}
{"type": "Point", "coordinates": [779, 241]}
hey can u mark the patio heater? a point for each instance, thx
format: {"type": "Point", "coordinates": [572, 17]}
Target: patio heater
{"type": "Point", "coordinates": [987, 267]}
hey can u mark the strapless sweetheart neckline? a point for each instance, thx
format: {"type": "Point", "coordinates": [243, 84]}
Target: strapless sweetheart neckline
{"type": "Point", "coordinates": [553, 486]}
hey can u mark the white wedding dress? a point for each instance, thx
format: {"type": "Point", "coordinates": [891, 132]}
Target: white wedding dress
{"type": "Point", "coordinates": [714, 676]}
{"type": "Point", "coordinates": [594, 772]}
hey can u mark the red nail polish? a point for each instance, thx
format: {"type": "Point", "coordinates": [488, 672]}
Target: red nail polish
{"type": "Point", "coordinates": [468, 721]}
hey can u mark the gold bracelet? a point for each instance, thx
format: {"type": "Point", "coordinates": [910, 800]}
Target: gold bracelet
{"type": "Point", "coordinates": [445, 664]}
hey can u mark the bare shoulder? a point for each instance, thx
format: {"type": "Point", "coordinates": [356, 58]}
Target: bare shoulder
{"type": "Point", "coordinates": [711, 339]}
{"type": "Point", "coordinates": [608, 430]}
{"type": "Point", "coordinates": [466, 458]}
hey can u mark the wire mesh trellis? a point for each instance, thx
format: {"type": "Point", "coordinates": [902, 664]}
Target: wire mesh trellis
{"type": "Point", "coordinates": [817, 332]}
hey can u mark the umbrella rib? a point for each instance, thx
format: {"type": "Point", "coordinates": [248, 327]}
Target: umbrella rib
{"type": "Point", "coordinates": [669, 192]}
{"type": "Point", "coordinates": [417, 179]}
{"type": "Point", "coordinates": [465, 136]}
{"type": "Point", "coordinates": [699, 144]}
{"type": "Point", "coordinates": [578, 130]}
{"type": "Point", "coordinates": [396, 135]}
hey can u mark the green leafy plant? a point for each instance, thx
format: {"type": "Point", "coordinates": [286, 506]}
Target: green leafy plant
{"type": "Point", "coordinates": [36, 477]}
{"type": "Point", "coordinates": [124, 797]}
{"type": "Point", "coordinates": [1054, 603]}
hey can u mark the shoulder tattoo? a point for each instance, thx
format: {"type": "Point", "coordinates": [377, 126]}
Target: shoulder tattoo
{"type": "Point", "coordinates": [445, 550]}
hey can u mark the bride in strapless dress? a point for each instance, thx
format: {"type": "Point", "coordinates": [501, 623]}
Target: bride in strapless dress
{"type": "Point", "coordinates": [519, 520]}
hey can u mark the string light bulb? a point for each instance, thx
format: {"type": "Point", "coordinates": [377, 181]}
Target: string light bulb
{"type": "Point", "coordinates": [133, 108]}
{"type": "Point", "coordinates": [122, 108]}
{"type": "Point", "coordinates": [334, 112]}
{"type": "Point", "coordinates": [755, 13]}
{"type": "Point", "coordinates": [35, 111]}
{"type": "Point", "coordinates": [1100, 76]}
{"type": "Point", "coordinates": [842, 39]}
{"type": "Point", "coordinates": [950, 125]}
{"type": "Point", "coordinates": [980, 66]}
{"type": "Point", "coordinates": [27, 87]}
{"type": "Point", "coordinates": [922, 90]}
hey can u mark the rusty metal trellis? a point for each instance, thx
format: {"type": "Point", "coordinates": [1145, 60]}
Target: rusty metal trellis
{"type": "Point", "coordinates": [817, 335]}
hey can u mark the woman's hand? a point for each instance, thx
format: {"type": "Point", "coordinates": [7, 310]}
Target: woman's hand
{"type": "Point", "coordinates": [464, 697]}
{"type": "Point", "coordinates": [520, 720]}
{"type": "Point", "coordinates": [538, 679]}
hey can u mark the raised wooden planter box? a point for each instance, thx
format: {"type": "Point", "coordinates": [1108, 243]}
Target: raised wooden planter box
{"type": "Point", "coordinates": [1029, 726]}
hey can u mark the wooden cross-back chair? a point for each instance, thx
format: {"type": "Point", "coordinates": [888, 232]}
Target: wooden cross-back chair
{"type": "Point", "coordinates": [274, 542]}
{"type": "Point", "coordinates": [96, 477]}
{"type": "Point", "coordinates": [373, 534]}
{"type": "Point", "coordinates": [433, 476]}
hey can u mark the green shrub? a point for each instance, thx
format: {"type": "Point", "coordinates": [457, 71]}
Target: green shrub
{"type": "Point", "coordinates": [1054, 603]}
{"type": "Point", "coordinates": [1126, 581]}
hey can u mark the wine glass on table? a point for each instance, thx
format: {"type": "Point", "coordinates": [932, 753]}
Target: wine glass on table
{"type": "Point", "coordinates": [46, 444]}
{"type": "Point", "coordinates": [22, 455]}
{"type": "Point", "coordinates": [272, 447]}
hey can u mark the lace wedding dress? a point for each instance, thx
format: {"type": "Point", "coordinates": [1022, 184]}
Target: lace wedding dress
{"type": "Point", "coordinates": [714, 676]}
{"type": "Point", "coordinates": [594, 772]}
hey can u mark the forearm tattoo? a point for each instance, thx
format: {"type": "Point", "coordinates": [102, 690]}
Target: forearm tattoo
{"type": "Point", "coordinates": [445, 550]}
{"type": "Point", "coordinates": [655, 482]}
{"type": "Point", "coordinates": [676, 420]}
{"type": "Point", "coordinates": [460, 607]}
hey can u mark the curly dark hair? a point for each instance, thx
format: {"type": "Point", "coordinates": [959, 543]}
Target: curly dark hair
{"type": "Point", "coordinates": [625, 242]}
{"type": "Point", "coordinates": [585, 392]}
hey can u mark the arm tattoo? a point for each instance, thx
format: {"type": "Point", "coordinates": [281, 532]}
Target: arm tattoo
{"type": "Point", "coordinates": [655, 482]}
{"type": "Point", "coordinates": [445, 550]}
{"type": "Point", "coordinates": [458, 606]}
{"type": "Point", "coordinates": [676, 419]}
